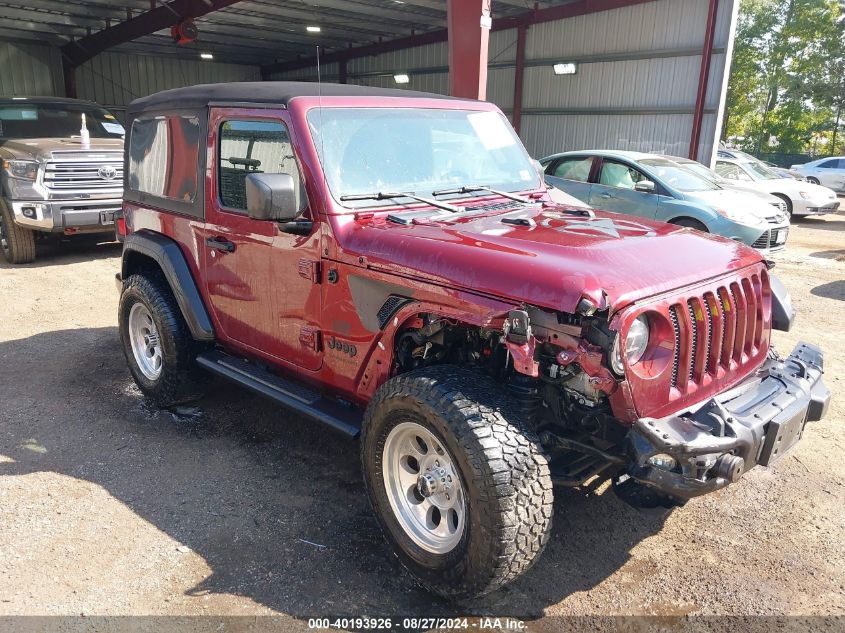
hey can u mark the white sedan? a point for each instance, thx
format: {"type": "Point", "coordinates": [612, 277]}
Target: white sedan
{"type": "Point", "coordinates": [829, 172]}
{"type": "Point", "coordinates": [802, 198]}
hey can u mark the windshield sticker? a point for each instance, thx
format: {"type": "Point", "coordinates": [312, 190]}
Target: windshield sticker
{"type": "Point", "coordinates": [113, 128]}
{"type": "Point", "coordinates": [596, 227]}
{"type": "Point", "coordinates": [491, 129]}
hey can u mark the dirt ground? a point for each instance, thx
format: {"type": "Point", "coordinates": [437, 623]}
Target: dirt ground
{"type": "Point", "coordinates": [109, 506]}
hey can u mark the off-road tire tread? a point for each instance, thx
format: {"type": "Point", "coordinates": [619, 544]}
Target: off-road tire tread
{"type": "Point", "coordinates": [21, 240]}
{"type": "Point", "coordinates": [506, 459]}
{"type": "Point", "coordinates": [181, 380]}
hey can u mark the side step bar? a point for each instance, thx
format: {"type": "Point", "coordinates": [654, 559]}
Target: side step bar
{"type": "Point", "coordinates": [301, 399]}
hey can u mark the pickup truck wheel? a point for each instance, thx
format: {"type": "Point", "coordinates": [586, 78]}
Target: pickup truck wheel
{"type": "Point", "coordinates": [461, 489]}
{"type": "Point", "coordinates": [157, 343]}
{"type": "Point", "coordinates": [16, 242]}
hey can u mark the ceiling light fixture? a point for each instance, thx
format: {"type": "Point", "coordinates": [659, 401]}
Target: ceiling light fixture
{"type": "Point", "coordinates": [401, 78]}
{"type": "Point", "coordinates": [565, 68]}
{"type": "Point", "coordinates": [206, 55]}
{"type": "Point", "coordinates": [313, 29]}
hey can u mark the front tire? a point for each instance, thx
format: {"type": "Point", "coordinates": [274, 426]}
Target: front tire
{"type": "Point", "coordinates": [441, 449]}
{"type": "Point", "coordinates": [157, 344]}
{"type": "Point", "coordinates": [787, 201]}
{"type": "Point", "coordinates": [813, 180]}
{"type": "Point", "coordinates": [16, 242]}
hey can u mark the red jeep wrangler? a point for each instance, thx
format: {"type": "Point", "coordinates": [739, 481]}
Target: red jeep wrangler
{"type": "Point", "coordinates": [390, 263]}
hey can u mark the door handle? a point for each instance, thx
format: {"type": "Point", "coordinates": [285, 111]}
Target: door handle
{"type": "Point", "coordinates": [607, 196]}
{"type": "Point", "coordinates": [220, 244]}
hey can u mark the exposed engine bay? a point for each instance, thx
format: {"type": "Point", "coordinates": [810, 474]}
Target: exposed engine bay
{"type": "Point", "coordinates": [555, 367]}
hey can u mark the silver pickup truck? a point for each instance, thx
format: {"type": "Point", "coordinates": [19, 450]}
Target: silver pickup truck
{"type": "Point", "coordinates": [61, 171]}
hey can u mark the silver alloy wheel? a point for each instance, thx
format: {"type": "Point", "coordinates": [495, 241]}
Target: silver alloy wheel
{"type": "Point", "coordinates": [424, 488]}
{"type": "Point", "coordinates": [143, 337]}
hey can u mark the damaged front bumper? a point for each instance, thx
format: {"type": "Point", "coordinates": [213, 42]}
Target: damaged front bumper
{"type": "Point", "coordinates": [688, 455]}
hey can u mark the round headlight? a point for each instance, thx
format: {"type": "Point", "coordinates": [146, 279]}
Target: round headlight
{"type": "Point", "coordinates": [637, 340]}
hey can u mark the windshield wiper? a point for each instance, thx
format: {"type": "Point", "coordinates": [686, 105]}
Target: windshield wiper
{"type": "Point", "coordinates": [380, 195]}
{"type": "Point", "coordinates": [474, 188]}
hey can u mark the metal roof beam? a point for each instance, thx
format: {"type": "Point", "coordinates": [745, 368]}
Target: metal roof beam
{"type": "Point", "coordinates": [549, 14]}
{"type": "Point", "coordinates": [162, 17]}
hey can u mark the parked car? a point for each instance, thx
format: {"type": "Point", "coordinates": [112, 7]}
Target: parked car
{"type": "Point", "coordinates": [724, 183]}
{"type": "Point", "coordinates": [325, 246]}
{"type": "Point", "coordinates": [650, 186]}
{"type": "Point", "coordinates": [829, 172]}
{"type": "Point", "coordinates": [740, 155]}
{"type": "Point", "coordinates": [62, 171]}
{"type": "Point", "coordinates": [801, 198]}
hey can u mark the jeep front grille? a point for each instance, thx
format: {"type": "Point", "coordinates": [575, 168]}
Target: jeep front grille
{"type": "Point", "coordinates": [84, 170]}
{"type": "Point", "coordinates": [717, 332]}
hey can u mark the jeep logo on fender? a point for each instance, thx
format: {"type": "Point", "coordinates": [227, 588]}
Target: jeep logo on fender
{"type": "Point", "coordinates": [342, 346]}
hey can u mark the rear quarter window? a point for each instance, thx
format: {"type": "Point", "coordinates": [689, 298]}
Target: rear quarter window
{"type": "Point", "coordinates": [164, 159]}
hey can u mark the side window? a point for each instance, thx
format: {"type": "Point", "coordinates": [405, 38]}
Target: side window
{"type": "Point", "coordinates": [573, 169]}
{"type": "Point", "coordinates": [163, 157]}
{"type": "Point", "coordinates": [615, 174]}
{"type": "Point", "coordinates": [253, 147]}
{"type": "Point", "coordinates": [830, 164]}
{"type": "Point", "coordinates": [730, 171]}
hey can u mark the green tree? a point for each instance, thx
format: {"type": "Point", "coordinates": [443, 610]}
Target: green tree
{"type": "Point", "coordinates": [788, 75]}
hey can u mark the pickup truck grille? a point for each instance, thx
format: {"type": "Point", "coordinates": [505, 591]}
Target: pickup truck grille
{"type": "Point", "coordinates": [719, 331]}
{"type": "Point", "coordinates": [84, 170]}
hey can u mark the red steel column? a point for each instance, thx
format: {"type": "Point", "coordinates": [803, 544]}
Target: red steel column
{"type": "Point", "coordinates": [519, 72]}
{"type": "Point", "coordinates": [469, 32]}
{"type": "Point", "coordinates": [703, 76]}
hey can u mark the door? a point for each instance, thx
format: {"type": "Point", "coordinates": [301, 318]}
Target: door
{"type": "Point", "coordinates": [262, 282]}
{"type": "Point", "coordinates": [831, 173]}
{"type": "Point", "coordinates": [614, 190]}
{"type": "Point", "coordinates": [571, 175]}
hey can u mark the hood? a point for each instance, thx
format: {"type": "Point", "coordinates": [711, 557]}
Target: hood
{"type": "Point", "coordinates": [42, 148]}
{"type": "Point", "coordinates": [738, 186]}
{"type": "Point", "coordinates": [559, 257]}
{"type": "Point", "coordinates": [793, 188]}
{"type": "Point", "coordinates": [753, 205]}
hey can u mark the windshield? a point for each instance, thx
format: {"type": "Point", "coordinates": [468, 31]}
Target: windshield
{"type": "Point", "coordinates": [367, 150]}
{"type": "Point", "coordinates": [676, 176]}
{"type": "Point", "coordinates": [705, 172]}
{"type": "Point", "coordinates": [29, 119]}
{"type": "Point", "coordinates": [760, 171]}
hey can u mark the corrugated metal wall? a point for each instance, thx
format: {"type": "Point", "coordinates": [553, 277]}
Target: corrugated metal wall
{"type": "Point", "coordinates": [635, 88]}
{"type": "Point", "coordinates": [30, 69]}
{"type": "Point", "coordinates": [636, 85]}
{"type": "Point", "coordinates": [115, 79]}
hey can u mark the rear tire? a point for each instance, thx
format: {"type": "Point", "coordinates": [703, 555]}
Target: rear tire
{"type": "Point", "coordinates": [499, 471]}
{"type": "Point", "coordinates": [157, 343]}
{"type": "Point", "coordinates": [690, 223]}
{"type": "Point", "coordinates": [16, 242]}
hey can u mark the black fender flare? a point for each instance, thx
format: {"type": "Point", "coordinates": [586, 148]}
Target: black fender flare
{"type": "Point", "coordinates": [167, 254]}
{"type": "Point", "coordinates": [783, 314]}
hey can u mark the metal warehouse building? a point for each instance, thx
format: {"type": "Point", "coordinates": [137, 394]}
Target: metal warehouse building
{"type": "Point", "coordinates": [647, 75]}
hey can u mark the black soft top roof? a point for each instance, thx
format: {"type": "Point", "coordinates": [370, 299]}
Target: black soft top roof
{"type": "Point", "coordinates": [271, 92]}
{"type": "Point", "coordinates": [23, 100]}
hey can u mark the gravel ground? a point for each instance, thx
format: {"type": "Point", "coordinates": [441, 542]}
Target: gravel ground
{"type": "Point", "coordinates": [233, 507]}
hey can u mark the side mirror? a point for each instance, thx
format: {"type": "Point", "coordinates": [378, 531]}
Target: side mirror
{"type": "Point", "coordinates": [271, 197]}
{"type": "Point", "coordinates": [645, 186]}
